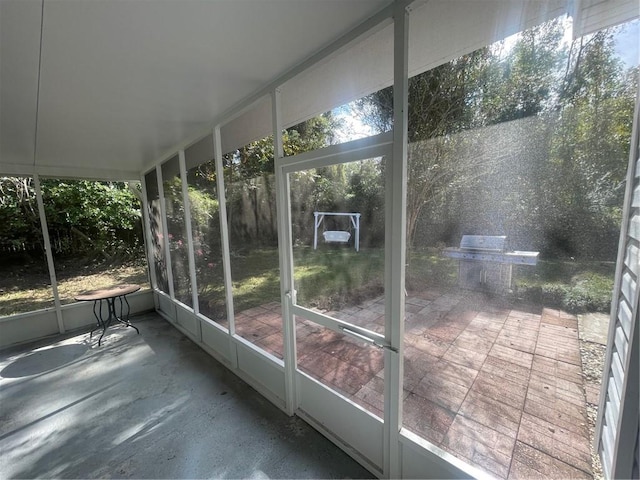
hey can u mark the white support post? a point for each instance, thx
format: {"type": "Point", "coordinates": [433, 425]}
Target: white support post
{"type": "Point", "coordinates": [315, 230]}
{"type": "Point", "coordinates": [395, 248]}
{"type": "Point", "coordinates": [186, 204]}
{"type": "Point", "coordinates": [165, 231]}
{"type": "Point", "coordinates": [287, 292]}
{"type": "Point", "coordinates": [49, 254]}
{"type": "Point", "coordinates": [151, 261]}
{"type": "Point", "coordinates": [143, 222]}
{"type": "Point", "coordinates": [224, 232]}
{"type": "Point", "coordinates": [318, 218]}
{"type": "Point", "coordinates": [355, 221]}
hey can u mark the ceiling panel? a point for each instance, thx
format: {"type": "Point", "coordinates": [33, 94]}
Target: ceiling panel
{"type": "Point", "coordinates": [121, 82]}
{"type": "Point", "coordinates": [19, 26]}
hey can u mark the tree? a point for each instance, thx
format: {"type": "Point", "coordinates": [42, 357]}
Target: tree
{"type": "Point", "coordinates": [587, 165]}
{"type": "Point", "coordinates": [521, 84]}
{"type": "Point", "coordinates": [84, 218]}
{"type": "Point", "coordinates": [439, 107]}
{"type": "Point", "coordinates": [250, 181]}
{"type": "Point", "coordinates": [19, 218]}
{"type": "Point", "coordinates": [562, 173]}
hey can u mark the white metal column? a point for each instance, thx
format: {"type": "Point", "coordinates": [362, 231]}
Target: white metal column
{"type": "Point", "coordinates": [47, 249]}
{"type": "Point", "coordinates": [283, 215]}
{"type": "Point", "coordinates": [186, 205]}
{"type": "Point", "coordinates": [355, 221]}
{"type": "Point", "coordinates": [165, 230]}
{"type": "Point", "coordinates": [224, 232]}
{"type": "Point", "coordinates": [317, 220]}
{"type": "Point", "coordinates": [151, 261]}
{"type": "Point", "coordinates": [395, 246]}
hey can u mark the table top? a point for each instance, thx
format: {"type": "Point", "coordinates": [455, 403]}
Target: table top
{"type": "Point", "coordinates": [110, 292]}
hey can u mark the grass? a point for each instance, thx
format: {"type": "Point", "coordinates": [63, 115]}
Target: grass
{"type": "Point", "coordinates": [28, 289]}
{"type": "Point", "coordinates": [428, 267]}
{"type": "Point", "coordinates": [328, 278]}
{"type": "Point", "coordinates": [334, 277]}
{"type": "Point", "coordinates": [574, 286]}
{"type": "Point", "coordinates": [256, 278]}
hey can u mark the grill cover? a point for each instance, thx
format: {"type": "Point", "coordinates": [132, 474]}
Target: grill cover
{"type": "Point", "coordinates": [484, 264]}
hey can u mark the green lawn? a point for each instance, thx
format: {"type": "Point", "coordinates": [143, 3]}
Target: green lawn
{"type": "Point", "coordinates": [326, 278]}
{"type": "Point", "coordinates": [332, 278]}
{"type": "Point", "coordinates": [335, 277]}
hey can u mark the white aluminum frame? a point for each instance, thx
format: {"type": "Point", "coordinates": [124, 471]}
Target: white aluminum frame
{"type": "Point", "coordinates": [287, 295]}
{"type": "Point", "coordinates": [226, 255]}
{"type": "Point", "coordinates": [48, 252]}
{"type": "Point", "coordinates": [151, 261]}
{"type": "Point", "coordinates": [165, 230]}
{"type": "Point", "coordinates": [186, 205]}
{"type": "Point", "coordinates": [396, 243]}
{"type": "Point", "coordinates": [370, 147]}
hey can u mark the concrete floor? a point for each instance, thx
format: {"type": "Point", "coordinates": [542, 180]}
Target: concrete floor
{"type": "Point", "coordinates": [147, 406]}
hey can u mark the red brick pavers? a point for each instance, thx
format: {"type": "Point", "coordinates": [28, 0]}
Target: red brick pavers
{"type": "Point", "coordinates": [498, 386]}
{"type": "Point", "coordinates": [506, 394]}
{"type": "Point", "coordinates": [262, 325]}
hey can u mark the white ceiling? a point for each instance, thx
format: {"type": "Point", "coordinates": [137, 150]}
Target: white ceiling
{"type": "Point", "coordinates": [120, 82]}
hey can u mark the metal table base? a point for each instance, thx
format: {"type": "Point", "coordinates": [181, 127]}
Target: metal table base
{"type": "Point", "coordinates": [110, 296]}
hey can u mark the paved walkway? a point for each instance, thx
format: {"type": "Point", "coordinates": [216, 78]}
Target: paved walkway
{"type": "Point", "coordinates": [498, 386]}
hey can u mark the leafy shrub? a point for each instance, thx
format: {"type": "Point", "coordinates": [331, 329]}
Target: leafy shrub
{"type": "Point", "coordinates": [553, 294]}
{"type": "Point", "coordinates": [591, 292]}
{"type": "Point", "coordinates": [586, 292]}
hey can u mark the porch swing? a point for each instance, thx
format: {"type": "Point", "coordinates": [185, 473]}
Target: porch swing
{"type": "Point", "coordinates": [337, 236]}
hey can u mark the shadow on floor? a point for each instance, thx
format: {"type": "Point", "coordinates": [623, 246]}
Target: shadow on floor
{"type": "Point", "coordinates": [43, 360]}
{"type": "Point", "coordinates": [152, 405]}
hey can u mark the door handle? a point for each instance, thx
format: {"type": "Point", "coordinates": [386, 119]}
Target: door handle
{"type": "Point", "coordinates": [364, 338]}
{"type": "Point", "coordinates": [291, 295]}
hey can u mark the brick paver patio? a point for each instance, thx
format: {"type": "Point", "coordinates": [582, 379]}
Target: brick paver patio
{"type": "Point", "coordinates": [496, 385]}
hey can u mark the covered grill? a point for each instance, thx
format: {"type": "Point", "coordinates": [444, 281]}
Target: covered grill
{"type": "Point", "coordinates": [485, 264]}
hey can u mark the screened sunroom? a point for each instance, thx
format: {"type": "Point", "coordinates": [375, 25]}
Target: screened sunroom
{"type": "Point", "coordinates": [413, 225]}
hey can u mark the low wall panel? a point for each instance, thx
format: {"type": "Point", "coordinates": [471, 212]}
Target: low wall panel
{"type": "Point", "coordinates": [28, 327]}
